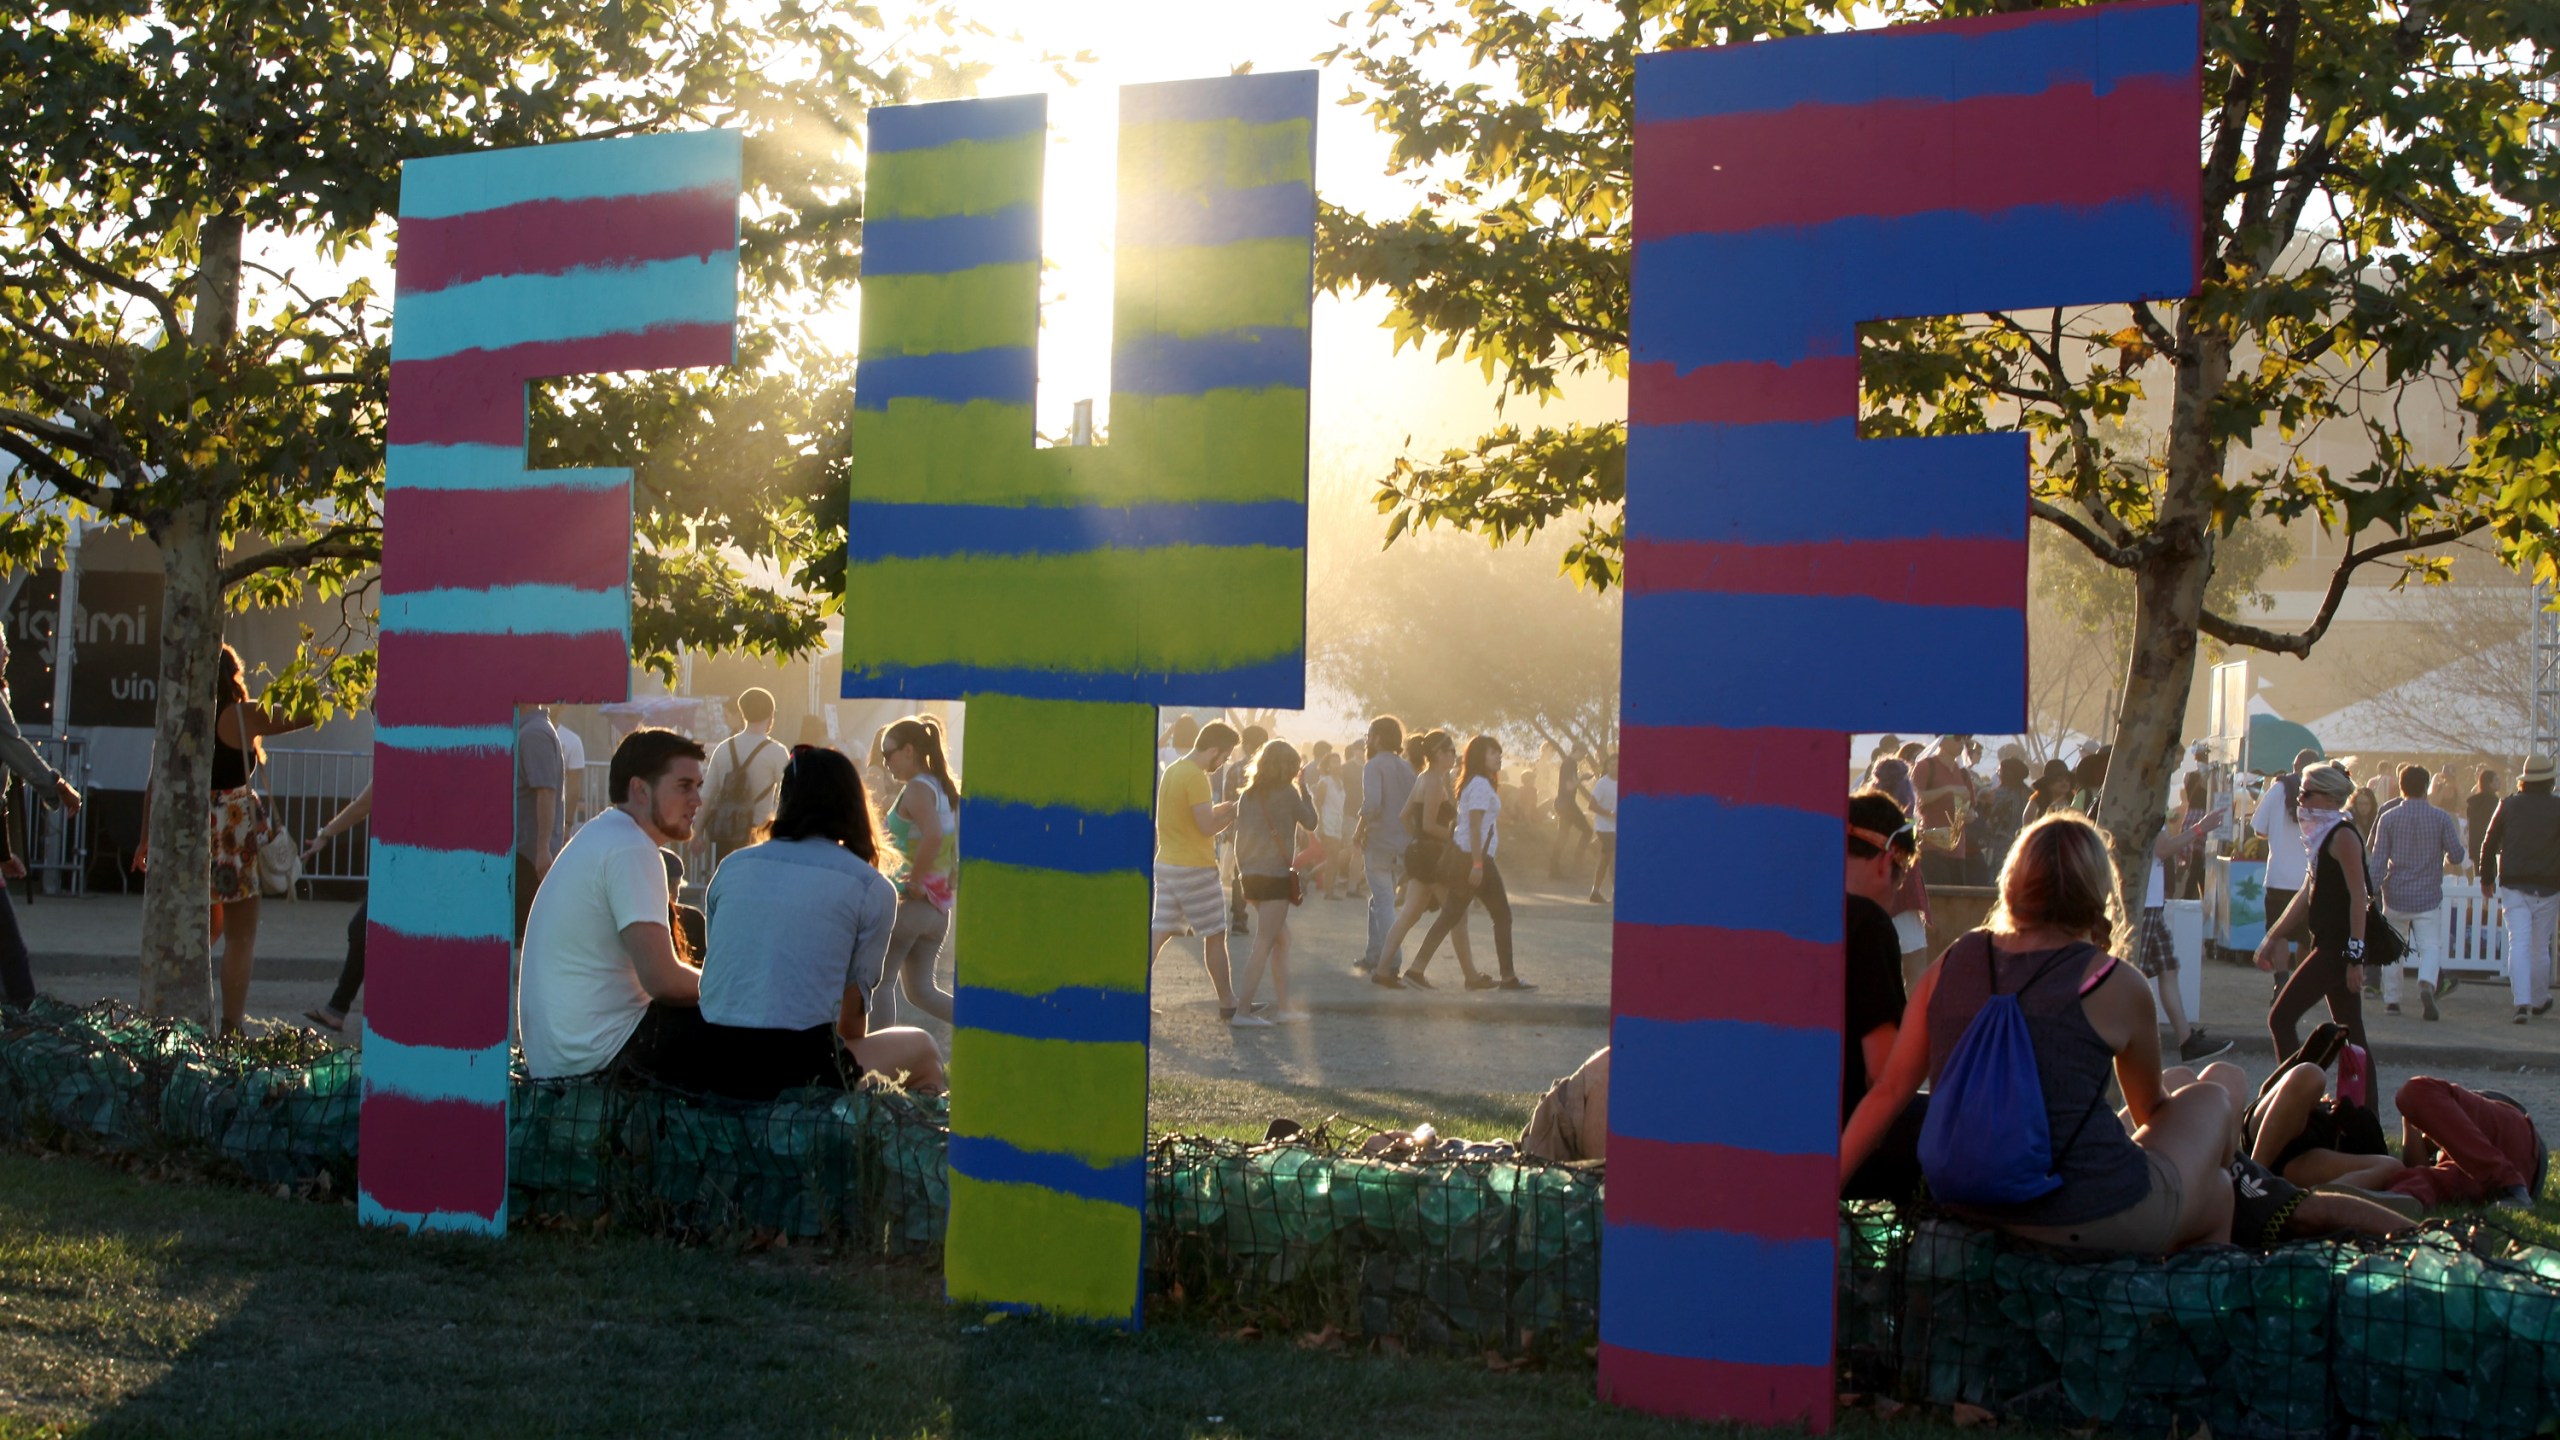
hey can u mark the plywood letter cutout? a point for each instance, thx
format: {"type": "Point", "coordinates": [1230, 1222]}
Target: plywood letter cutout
{"type": "Point", "coordinates": [1788, 582]}
{"type": "Point", "coordinates": [502, 585]}
{"type": "Point", "coordinates": [1063, 593]}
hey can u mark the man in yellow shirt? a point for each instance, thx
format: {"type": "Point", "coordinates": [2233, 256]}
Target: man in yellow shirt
{"type": "Point", "coordinates": [1189, 899]}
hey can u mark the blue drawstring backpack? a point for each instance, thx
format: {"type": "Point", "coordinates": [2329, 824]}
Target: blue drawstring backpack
{"type": "Point", "coordinates": [1986, 1141]}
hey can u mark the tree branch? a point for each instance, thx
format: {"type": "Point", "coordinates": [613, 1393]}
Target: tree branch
{"type": "Point", "coordinates": [343, 542]}
{"type": "Point", "coordinates": [2107, 551]}
{"type": "Point", "coordinates": [2258, 637]}
{"type": "Point", "coordinates": [174, 328]}
{"type": "Point", "coordinates": [64, 481]}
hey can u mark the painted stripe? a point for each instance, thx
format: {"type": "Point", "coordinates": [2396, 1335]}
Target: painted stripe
{"type": "Point", "coordinates": [552, 237]}
{"type": "Point", "coordinates": [1970, 677]}
{"type": "Point", "coordinates": [1100, 758]}
{"type": "Point", "coordinates": [419, 739]}
{"type": "Point", "coordinates": [1261, 358]}
{"type": "Point", "coordinates": [1800, 1396]}
{"type": "Point", "coordinates": [445, 185]}
{"type": "Point", "coordinates": [484, 469]}
{"type": "Point", "coordinates": [1032, 930]}
{"type": "Point", "coordinates": [1744, 392]}
{"type": "Point", "coordinates": [1022, 1246]}
{"type": "Point", "coordinates": [1277, 683]}
{"type": "Point", "coordinates": [1710, 1295]}
{"type": "Point", "coordinates": [1008, 374]}
{"type": "Point", "coordinates": [1811, 286]}
{"type": "Point", "coordinates": [1715, 1187]}
{"type": "Point", "coordinates": [446, 680]}
{"type": "Point", "coordinates": [370, 1211]}
{"type": "Point", "coordinates": [1083, 1013]}
{"type": "Point", "coordinates": [948, 244]}
{"type": "Point", "coordinates": [1680, 973]}
{"type": "Point", "coordinates": [504, 311]}
{"type": "Point", "coordinates": [982, 1158]}
{"type": "Point", "coordinates": [508, 610]}
{"type": "Point", "coordinates": [1759, 854]}
{"type": "Point", "coordinates": [1285, 211]}
{"type": "Point", "coordinates": [1054, 837]}
{"type": "Point", "coordinates": [426, 990]}
{"type": "Point", "coordinates": [433, 1156]}
{"type": "Point", "coordinates": [1932, 572]}
{"type": "Point", "coordinates": [911, 532]}
{"type": "Point", "coordinates": [1812, 164]}
{"type": "Point", "coordinates": [449, 894]}
{"type": "Point", "coordinates": [477, 397]}
{"type": "Point", "coordinates": [1665, 1077]}
{"type": "Point", "coordinates": [432, 1072]}
{"type": "Point", "coordinates": [1793, 769]}
{"type": "Point", "coordinates": [1259, 99]}
{"type": "Point", "coordinates": [1057, 1096]}
{"type": "Point", "coordinates": [453, 800]}
{"type": "Point", "coordinates": [947, 122]}
{"type": "Point", "coordinates": [1943, 62]}
{"type": "Point", "coordinates": [1742, 483]}
{"type": "Point", "coordinates": [478, 539]}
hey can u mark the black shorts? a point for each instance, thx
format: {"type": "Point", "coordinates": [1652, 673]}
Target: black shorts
{"type": "Point", "coordinates": [667, 1049]}
{"type": "Point", "coordinates": [747, 1063]}
{"type": "Point", "coordinates": [1266, 887]}
{"type": "Point", "coordinates": [2277, 900]}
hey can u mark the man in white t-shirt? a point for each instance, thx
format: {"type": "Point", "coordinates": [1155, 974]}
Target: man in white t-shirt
{"type": "Point", "coordinates": [603, 987]}
{"type": "Point", "coordinates": [742, 783]}
{"type": "Point", "coordinates": [1604, 828]}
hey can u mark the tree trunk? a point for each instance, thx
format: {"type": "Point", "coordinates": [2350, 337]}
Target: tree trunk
{"type": "Point", "coordinates": [177, 896]}
{"type": "Point", "coordinates": [2169, 591]}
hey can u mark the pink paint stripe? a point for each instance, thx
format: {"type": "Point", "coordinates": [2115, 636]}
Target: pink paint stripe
{"type": "Point", "coordinates": [1813, 164]}
{"type": "Point", "coordinates": [433, 1156]}
{"type": "Point", "coordinates": [1744, 392]}
{"type": "Point", "coordinates": [1716, 1187]}
{"type": "Point", "coordinates": [548, 237]}
{"type": "Point", "coordinates": [1706, 972]}
{"type": "Point", "coordinates": [479, 679]}
{"type": "Point", "coordinates": [1717, 1389]}
{"type": "Point", "coordinates": [421, 990]}
{"type": "Point", "coordinates": [477, 397]}
{"type": "Point", "coordinates": [1797, 769]}
{"type": "Point", "coordinates": [446, 800]}
{"type": "Point", "coordinates": [482, 539]}
{"type": "Point", "coordinates": [1931, 570]}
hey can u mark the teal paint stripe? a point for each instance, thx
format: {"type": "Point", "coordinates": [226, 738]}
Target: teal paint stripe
{"type": "Point", "coordinates": [508, 610]}
{"type": "Point", "coordinates": [432, 1072]}
{"type": "Point", "coordinates": [444, 738]}
{"type": "Point", "coordinates": [445, 185]}
{"type": "Point", "coordinates": [484, 467]}
{"type": "Point", "coordinates": [370, 1211]}
{"type": "Point", "coordinates": [447, 894]}
{"type": "Point", "coordinates": [509, 310]}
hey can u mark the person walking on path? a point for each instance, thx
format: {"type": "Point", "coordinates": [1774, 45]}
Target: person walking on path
{"type": "Point", "coordinates": [1573, 827]}
{"type": "Point", "coordinates": [1479, 840]}
{"type": "Point", "coordinates": [1269, 816]}
{"type": "Point", "coordinates": [240, 823]}
{"type": "Point", "coordinates": [1948, 793]}
{"type": "Point", "coordinates": [2155, 954]}
{"type": "Point", "coordinates": [2278, 818]}
{"type": "Point", "coordinates": [2520, 855]}
{"type": "Point", "coordinates": [1604, 829]}
{"type": "Point", "coordinates": [1189, 900]}
{"type": "Point", "coordinates": [1230, 786]}
{"type": "Point", "coordinates": [2478, 807]}
{"type": "Point", "coordinates": [2412, 844]}
{"type": "Point", "coordinates": [332, 1016]}
{"type": "Point", "coordinates": [741, 785]}
{"type": "Point", "coordinates": [1386, 783]}
{"type": "Point", "coordinates": [17, 969]}
{"type": "Point", "coordinates": [924, 830]}
{"type": "Point", "coordinates": [1431, 817]}
{"type": "Point", "coordinates": [2332, 910]}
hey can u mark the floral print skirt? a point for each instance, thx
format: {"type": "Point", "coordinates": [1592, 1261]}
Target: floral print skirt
{"type": "Point", "coordinates": [239, 822]}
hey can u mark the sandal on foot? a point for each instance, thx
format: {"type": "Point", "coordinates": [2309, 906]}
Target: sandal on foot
{"type": "Point", "coordinates": [1513, 982]}
{"type": "Point", "coordinates": [1413, 981]}
{"type": "Point", "coordinates": [321, 1018]}
{"type": "Point", "coordinates": [1481, 982]}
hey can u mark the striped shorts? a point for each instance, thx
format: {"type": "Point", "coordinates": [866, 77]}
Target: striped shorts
{"type": "Point", "coordinates": [1189, 899]}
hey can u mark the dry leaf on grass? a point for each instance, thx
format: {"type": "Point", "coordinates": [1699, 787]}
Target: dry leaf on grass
{"type": "Point", "coordinates": [1968, 1416]}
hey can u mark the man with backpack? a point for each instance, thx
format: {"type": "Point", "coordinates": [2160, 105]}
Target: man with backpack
{"type": "Point", "coordinates": [744, 779]}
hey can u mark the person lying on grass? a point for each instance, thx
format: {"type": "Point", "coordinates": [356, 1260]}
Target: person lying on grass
{"type": "Point", "coordinates": [2462, 1146]}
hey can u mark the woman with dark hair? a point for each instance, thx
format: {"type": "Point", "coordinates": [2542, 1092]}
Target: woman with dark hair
{"type": "Point", "coordinates": [924, 828]}
{"type": "Point", "coordinates": [1478, 842]}
{"type": "Point", "coordinates": [1431, 818]}
{"type": "Point", "coordinates": [1269, 816]}
{"type": "Point", "coordinates": [798, 925]}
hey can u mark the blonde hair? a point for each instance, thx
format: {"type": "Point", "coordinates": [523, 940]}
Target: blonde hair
{"type": "Point", "coordinates": [1273, 768]}
{"type": "Point", "coordinates": [2061, 872]}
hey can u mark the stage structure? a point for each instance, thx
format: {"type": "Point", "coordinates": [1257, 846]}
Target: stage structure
{"type": "Point", "coordinates": [502, 585]}
{"type": "Point", "coordinates": [1788, 583]}
{"type": "Point", "coordinates": [1064, 593]}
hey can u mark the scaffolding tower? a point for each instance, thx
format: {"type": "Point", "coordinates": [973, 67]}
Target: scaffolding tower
{"type": "Point", "coordinates": [2546, 672]}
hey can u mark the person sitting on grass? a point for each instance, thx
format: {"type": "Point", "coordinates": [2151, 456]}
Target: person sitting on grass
{"type": "Point", "coordinates": [2462, 1146]}
{"type": "Point", "coordinates": [799, 924]}
{"type": "Point", "coordinates": [2164, 1187]}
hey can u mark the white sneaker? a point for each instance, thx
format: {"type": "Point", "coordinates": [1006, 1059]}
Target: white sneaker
{"type": "Point", "coordinates": [1247, 1020]}
{"type": "Point", "coordinates": [1289, 1017]}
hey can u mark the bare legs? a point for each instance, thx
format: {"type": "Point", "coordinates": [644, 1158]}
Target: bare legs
{"type": "Point", "coordinates": [239, 955]}
{"type": "Point", "coordinates": [2197, 1129]}
{"type": "Point", "coordinates": [1213, 958]}
{"type": "Point", "coordinates": [1270, 950]}
{"type": "Point", "coordinates": [902, 1053]}
{"type": "Point", "coordinates": [1417, 903]}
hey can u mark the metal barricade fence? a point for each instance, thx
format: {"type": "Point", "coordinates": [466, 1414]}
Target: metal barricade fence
{"type": "Point", "coordinates": [58, 844]}
{"type": "Point", "coordinates": [303, 789]}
